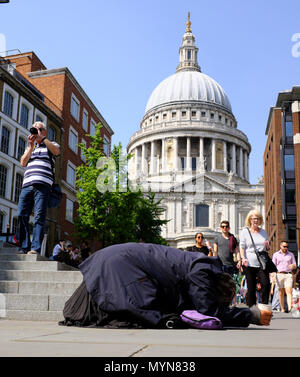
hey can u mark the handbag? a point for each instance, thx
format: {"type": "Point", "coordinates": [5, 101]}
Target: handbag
{"type": "Point", "coordinates": [55, 196]}
{"type": "Point", "coordinates": [265, 262]}
{"type": "Point", "coordinates": [200, 321]}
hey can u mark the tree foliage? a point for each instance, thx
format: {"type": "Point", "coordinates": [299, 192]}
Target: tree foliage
{"type": "Point", "coordinates": [109, 210]}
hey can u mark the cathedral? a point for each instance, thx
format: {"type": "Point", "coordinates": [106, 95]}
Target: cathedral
{"type": "Point", "coordinates": [191, 154]}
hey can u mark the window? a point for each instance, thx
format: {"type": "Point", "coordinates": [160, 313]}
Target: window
{"type": "Point", "coordinates": [182, 162]}
{"type": "Point", "coordinates": [194, 163]}
{"type": "Point", "coordinates": [164, 116]}
{"type": "Point", "coordinates": [289, 162]}
{"type": "Point", "coordinates": [8, 104]}
{"type": "Point", "coordinates": [3, 179]}
{"type": "Point", "coordinates": [194, 113]}
{"type": "Point", "coordinates": [5, 135]}
{"type": "Point", "coordinates": [75, 107]}
{"type": "Point", "coordinates": [174, 114]}
{"type": "Point", "coordinates": [212, 115]}
{"type": "Point", "coordinates": [82, 155]}
{"type": "Point", "coordinates": [18, 187]}
{"type": "Point", "coordinates": [183, 114]}
{"type": "Point", "coordinates": [203, 114]}
{"type": "Point", "coordinates": [69, 210]}
{"type": "Point", "coordinates": [106, 148]}
{"type": "Point", "coordinates": [71, 175]}
{"type": "Point", "coordinates": [85, 120]}
{"type": "Point", "coordinates": [290, 193]}
{"type": "Point", "coordinates": [288, 129]}
{"type": "Point", "coordinates": [291, 210]}
{"type": "Point", "coordinates": [38, 118]}
{"type": "Point", "coordinates": [93, 127]}
{"type": "Point", "coordinates": [51, 134]}
{"type": "Point", "coordinates": [189, 54]}
{"type": "Point", "coordinates": [21, 148]}
{"type": "Point", "coordinates": [202, 215]}
{"type": "Point", "coordinates": [73, 139]}
{"type": "Point", "coordinates": [24, 115]}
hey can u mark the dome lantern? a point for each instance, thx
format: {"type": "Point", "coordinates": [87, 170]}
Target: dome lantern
{"type": "Point", "coordinates": [188, 51]}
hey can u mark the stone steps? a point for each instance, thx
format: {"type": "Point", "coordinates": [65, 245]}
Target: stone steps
{"type": "Point", "coordinates": [34, 288]}
{"type": "Point", "coordinates": [37, 287]}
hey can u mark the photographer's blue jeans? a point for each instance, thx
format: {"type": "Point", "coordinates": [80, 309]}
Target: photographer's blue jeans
{"type": "Point", "coordinates": [32, 198]}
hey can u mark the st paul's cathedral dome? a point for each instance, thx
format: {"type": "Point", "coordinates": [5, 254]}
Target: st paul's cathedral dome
{"type": "Point", "coordinates": [190, 152]}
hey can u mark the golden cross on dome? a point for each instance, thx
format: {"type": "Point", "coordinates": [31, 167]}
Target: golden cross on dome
{"type": "Point", "coordinates": [188, 24]}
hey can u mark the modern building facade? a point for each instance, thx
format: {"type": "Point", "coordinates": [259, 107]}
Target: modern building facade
{"type": "Point", "coordinates": [79, 115]}
{"type": "Point", "coordinates": [191, 153]}
{"type": "Point", "coordinates": [21, 104]}
{"type": "Point", "coordinates": [282, 171]}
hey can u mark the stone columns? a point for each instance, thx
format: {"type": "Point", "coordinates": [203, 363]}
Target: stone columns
{"type": "Point", "coordinates": [225, 156]}
{"type": "Point", "coordinates": [213, 154]}
{"type": "Point", "coordinates": [246, 172]}
{"type": "Point", "coordinates": [241, 163]}
{"type": "Point", "coordinates": [175, 161]}
{"type": "Point", "coordinates": [144, 162]}
{"type": "Point", "coordinates": [188, 154]}
{"type": "Point", "coordinates": [163, 156]}
{"type": "Point", "coordinates": [136, 161]}
{"type": "Point", "coordinates": [233, 159]}
{"type": "Point", "coordinates": [152, 159]}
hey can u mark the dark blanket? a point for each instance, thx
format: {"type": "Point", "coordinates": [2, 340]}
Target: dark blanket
{"type": "Point", "coordinates": [143, 283]}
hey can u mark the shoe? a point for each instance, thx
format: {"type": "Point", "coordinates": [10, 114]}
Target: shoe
{"type": "Point", "coordinates": [32, 252]}
{"type": "Point", "coordinates": [21, 252]}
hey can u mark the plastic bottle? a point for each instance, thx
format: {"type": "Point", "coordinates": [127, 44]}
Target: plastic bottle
{"type": "Point", "coordinates": [296, 304]}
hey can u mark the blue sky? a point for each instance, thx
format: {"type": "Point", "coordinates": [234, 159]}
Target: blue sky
{"type": "Point", "coordinates": [119, 51]}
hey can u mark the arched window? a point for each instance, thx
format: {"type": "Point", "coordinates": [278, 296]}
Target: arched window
{"type": "Point", "coordinates": [202, 215]}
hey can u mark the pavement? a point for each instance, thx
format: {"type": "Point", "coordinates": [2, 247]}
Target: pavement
{"type": "Point", "coordinates": [48, 339]}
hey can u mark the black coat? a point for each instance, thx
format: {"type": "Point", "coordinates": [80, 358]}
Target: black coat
{"type": "Point", "coordinates": [148, 280]}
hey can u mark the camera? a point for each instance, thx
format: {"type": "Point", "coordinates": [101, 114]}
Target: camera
{"type": "Point", "coordinates": [33, 131]}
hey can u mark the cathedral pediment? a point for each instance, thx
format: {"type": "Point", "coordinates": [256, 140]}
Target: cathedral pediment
{"type": "Point", "coordinates": [202, 183]}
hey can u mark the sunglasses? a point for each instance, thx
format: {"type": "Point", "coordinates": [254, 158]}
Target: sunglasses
{"type": "Point", "coordinates": [224, 226]}
{"type": "Point", "coordinates": [199, 237]}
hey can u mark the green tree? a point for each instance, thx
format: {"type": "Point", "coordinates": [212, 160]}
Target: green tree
{"type": "Point", "coordinates": [109, 210]}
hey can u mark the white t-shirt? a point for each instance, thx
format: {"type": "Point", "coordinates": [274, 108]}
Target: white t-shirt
{"type": "Point", "coordinates": [246, 243]}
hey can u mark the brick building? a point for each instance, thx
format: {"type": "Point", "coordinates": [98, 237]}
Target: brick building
{"type": "Point", "coordinates": [282, 171]}
{"type": "Point", "coordinates": [63, 92]}
{"type": "Point", "coordinates": [21, 104]}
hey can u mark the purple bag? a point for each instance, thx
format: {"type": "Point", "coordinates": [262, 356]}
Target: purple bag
{"type": "Point", "coordinates": [200, 321]}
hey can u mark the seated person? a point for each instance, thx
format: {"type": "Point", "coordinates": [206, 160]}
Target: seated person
{"type": "Point", "coordinates": [58, 249]}
{"type": "Point", "coordinates": [144, 283]}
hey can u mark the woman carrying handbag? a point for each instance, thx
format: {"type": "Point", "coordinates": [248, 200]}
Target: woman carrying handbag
{"type": "Point", "coordinates": [253, 241]}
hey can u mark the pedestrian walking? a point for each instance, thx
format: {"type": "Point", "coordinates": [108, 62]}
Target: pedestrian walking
{"type": "Point", "coordinates": [225, 247]}
{"type": "Point", "coordinates": [285, 262]}
{"type": "Point", "coordinates": [250, 262]}
{"type": "Point", "coordinates": [200, 244]}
